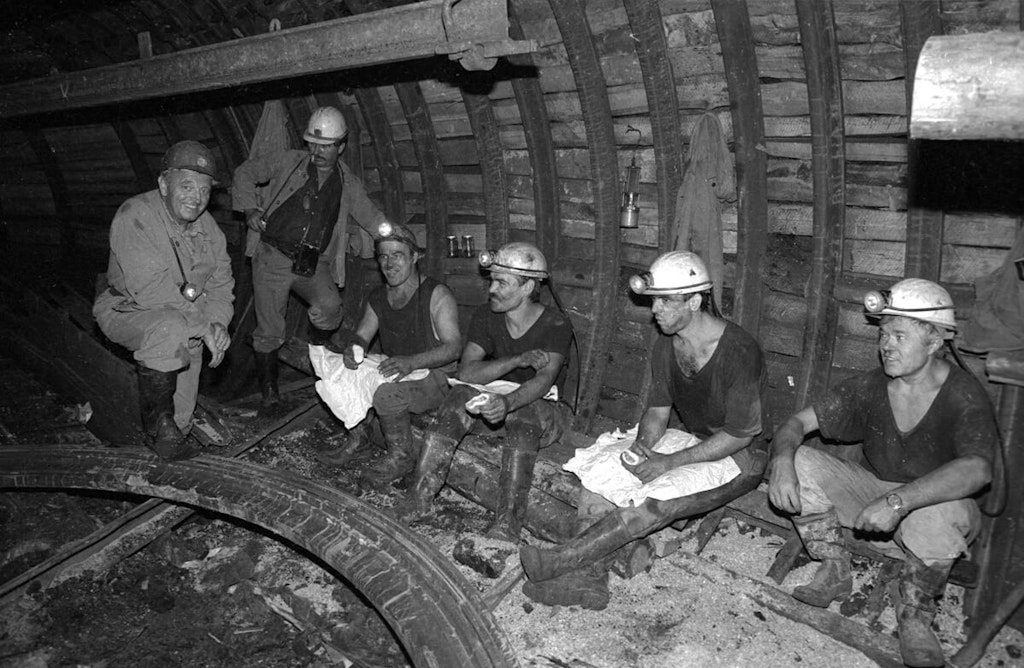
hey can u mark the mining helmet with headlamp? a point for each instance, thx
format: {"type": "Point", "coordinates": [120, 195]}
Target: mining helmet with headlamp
{"type": "Point", "coordinates": [517, 257]}
{"type": "Point", "coordinates": [326, 126]}
{"type": "Point", "coordinates": [915, 298]}
{"type": "Point", "coordinates": [674, 273]}
{"type": "Point", "coordinates": [388, 231]}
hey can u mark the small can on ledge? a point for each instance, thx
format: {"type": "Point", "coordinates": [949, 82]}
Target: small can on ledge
{"type": "Point", "coordinates": [467, 245]}
{"type": "Point", "coordinates": [453, 246]}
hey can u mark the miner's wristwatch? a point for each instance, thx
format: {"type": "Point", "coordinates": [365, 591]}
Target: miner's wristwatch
{"type": "Point", "coordinates": [895, 502]}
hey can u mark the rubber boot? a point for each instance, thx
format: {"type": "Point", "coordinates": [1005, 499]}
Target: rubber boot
{"type": "Point", "coordinates": [920, 586]}
{"type": "Point", "coordinates": [513, 494]}
{"type": "Point", "coordinates": [355, 446]}
{"type": "Point", "coordinates": [400, 459]}
{"type": "Point", "coordinates": [431, 471]}
{"type": "Point", "coordinates": [822, 537]}
{"type": "Point", "coordinates": [594, 544]}
{"type": "Point", "coordinates": [586, 587]}
{"type": "Point", "coordinates": [266, 371]}
{"type": "Point", "coordinates": [156, 398]}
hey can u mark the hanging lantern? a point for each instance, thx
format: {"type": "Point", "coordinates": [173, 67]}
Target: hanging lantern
{"type": "Point", "coordinates": [629, 212]}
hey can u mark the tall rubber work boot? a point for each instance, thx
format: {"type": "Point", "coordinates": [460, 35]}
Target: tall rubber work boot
{"type": "Point", "coordinates": [586, 587]}
{"type": "Point", "coordinates": [591, 546]}
{"type": "Point", "coordinates": [156, 397]}
{"type": "Point", "coordinates": [431, 471]}
{"type": "Point", "coordinates": [355, 446]}
{"type": "Point", "coordinates": [920, 586]}
{"type": "Point", "coordinates": [822, 536]}
{"type": "Point", "coordinates": [266, 372]}
{"type": "Point", "coordinates": [400, 459]}
{"type": "Point", "coordinates": [513, 494]}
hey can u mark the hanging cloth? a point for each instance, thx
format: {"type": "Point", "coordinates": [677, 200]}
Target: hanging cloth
{"type": "Point", "coordinates": [707, 182]}
{"type": "Point", "coordinates": [997, 319]}
{"type": "Point", "coordinates": [271, 137]}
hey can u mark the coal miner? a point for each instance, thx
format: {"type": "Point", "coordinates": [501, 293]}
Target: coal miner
{"type": "Point", "coordinates": [712, 373]}
{"type": "Point", "coordinates": [169, 292]}
{"type": "Point", "coordinates": [299, 236]}
{"type": "Point", "coordinates": [513, 338]}
{"type": "Point", "coordinates": [417, 321]}
{"type": "Point", "coordinates": [928, 435]}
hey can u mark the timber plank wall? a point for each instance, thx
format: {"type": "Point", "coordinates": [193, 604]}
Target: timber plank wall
{"type": "Point", "coordinates": [522, 151]}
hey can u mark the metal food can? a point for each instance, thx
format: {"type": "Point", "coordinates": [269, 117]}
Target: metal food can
{"type": "Point", "coordinates": [467, 245]}
{"type": "Point", "coordinates": [453, 245]}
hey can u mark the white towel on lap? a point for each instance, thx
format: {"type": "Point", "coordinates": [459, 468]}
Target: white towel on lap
{"type": "Point", "coordinates": [600, 470]}
{"type": "Point", "coordinates": [349, 392]}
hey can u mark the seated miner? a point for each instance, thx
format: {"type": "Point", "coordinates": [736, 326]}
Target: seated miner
{"type": "Point", "coordinates": [928, 436]}
{"type": "Point", "coordinates": [512, 338]}
{"type": "Point", "coordinates": [712, 373]}
{"type": "Point", "coordinates": [169, 292]}
{"type": "Point", "coordinates": [298, 236]}
{"type": "Point", "coordinates": [417, 321]}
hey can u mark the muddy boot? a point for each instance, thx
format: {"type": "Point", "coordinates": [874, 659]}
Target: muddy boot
{"type": "Point", "coordinates": [514, 490]}
{"type": "Point", "coordinates": [822, 537]}
{"type": "Point", "coordinates": [266, 371]}
{"type": "Point", "coordinates": [156, 397]}
{"type": "Point", "coordinates": [586, 587]}
{"type": "Point", "coordinates": [431, 471]}
{"type": "Point", "coordinates": [400, 459]}
{"type": "Point", "coordinates": [595, 543]}
{"type": "Point", "coordinates": [919, 586]}
{"type": "Point", "coordinates": [355, 446]}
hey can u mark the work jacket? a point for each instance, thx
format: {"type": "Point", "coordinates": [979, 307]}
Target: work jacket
{"type": "Point", "coordinates": [285, 172]}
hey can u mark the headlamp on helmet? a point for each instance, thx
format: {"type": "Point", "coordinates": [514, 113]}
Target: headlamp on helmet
{"type": "Point", "coordinates": [518, 258]}
{"type": "Point", "coordinates": [673, 273]}
{"type": "Point", "coordinates": [915, 298]}
{"type": "Point", "coordinates": [388, 231]}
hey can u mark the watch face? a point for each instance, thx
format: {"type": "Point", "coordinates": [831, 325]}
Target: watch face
{"type": "Point", "coordinates": [894, 501]}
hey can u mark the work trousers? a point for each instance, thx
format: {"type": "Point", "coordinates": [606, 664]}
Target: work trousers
{"type": "Point", "coordinates": [159, 339]}
{"type": "Point", "coordinates": [273, 280]}
{"type": "Point", "coordinates": [530, 428]}
{"type": "Point", "coordinates": [935, 533]}
{"type": "Point", "coordinates": [411, 396]}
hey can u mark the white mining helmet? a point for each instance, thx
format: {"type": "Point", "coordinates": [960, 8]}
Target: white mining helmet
{"type": "Point", "coordinates": [674, 273]}
{"type": "Point", "coordinates": [519, 258]}
{"type": "Point", "coordinates": [914, 298]}
{"type": "Point", "coordinates": [326, 126]}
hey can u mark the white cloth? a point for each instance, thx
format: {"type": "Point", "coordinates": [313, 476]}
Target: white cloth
{"type": "Point", "coordinates": [503, 387]}
{"type": "Point", "coordinates": [600, 470]}
{"type": "Point", "coordinates": [349, 392]}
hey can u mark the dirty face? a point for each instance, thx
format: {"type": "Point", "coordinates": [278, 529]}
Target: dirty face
{"type": "Point", "coordinates": [185, 193]}
{"type": "Point", "coordinates": [324, 156]}
{"type": "Point", "coordinates": [904, 346]}
{"type": "Point", "coordinates": [397, 262]}
{"type": "Point", "coordinates": [673, 312]}
{"type": "Point", "coordinates": [508, 292]}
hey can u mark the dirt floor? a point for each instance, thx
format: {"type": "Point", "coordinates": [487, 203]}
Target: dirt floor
{"type": "Point", "coordinates": [217, 593]}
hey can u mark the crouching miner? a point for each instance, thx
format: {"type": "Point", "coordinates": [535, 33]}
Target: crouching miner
{"type": "Point", "coordinates": [417, 321]}
{"type": "Point", "coordinates": [929, 437]}
{"type": "Point", "coordinates": [169, 292]}
{"type": "Point", "coordinates": [514, 338]}
{"type": "Point", "coordinates": [712, 373]}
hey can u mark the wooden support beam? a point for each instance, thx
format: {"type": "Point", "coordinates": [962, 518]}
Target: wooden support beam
{"type": "Point", "coordinates": [492, 164]}
{"type": "Point", "coordinates": [597, 120]}
{"type": "Point", "coordinates": [144, 177]}
{"type": "Point", "coordinates": [970, 87]}
{"type": "Point", "coordinates": [58, 187]}
{"type": "Point", "coordinates": [374, 116]}
{"type": "Point", "coordinates": [825, 93]}
{"type": "Point", "coordinates": [920, 19]}
{"type": "Point", "coordinates": [396, 34]}
{"type": "Point", "coordinates": [732, 20]}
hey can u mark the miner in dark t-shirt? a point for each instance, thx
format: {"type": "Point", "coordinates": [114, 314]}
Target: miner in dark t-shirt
{"type": "Point", "coordinates": [929, 441]}
{"type": "Point", "coordinates": [513, 338]}
{"type": "Point", "coordinates": [712, 373]}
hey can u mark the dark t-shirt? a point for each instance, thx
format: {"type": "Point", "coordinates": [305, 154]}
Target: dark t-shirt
{"type": "Point", "coordinates": [728, 394]}
{"type": "Point", "coordinates": [959, 422]}
{"type": "Point", "coordinates": [551, 333]}
{"type": "Point", "coordinates": [408, 330]}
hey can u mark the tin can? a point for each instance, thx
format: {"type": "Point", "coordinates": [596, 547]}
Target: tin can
{"type": "Point", "coordinates": [467, 245]}
{"type": "Point", "coordinates": [453, 246]}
